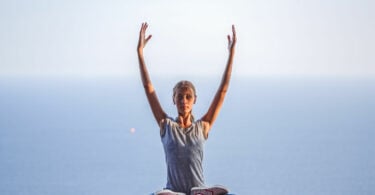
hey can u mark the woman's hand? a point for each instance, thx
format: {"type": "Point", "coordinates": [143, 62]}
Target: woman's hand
{"type": "Point", "coordinates": [232, 40]}
{"type": "Point", "coordinates": [142, 37]}
{"type": "Point", "coordinates": [156, 108]}
{"type": "Point", "coordinates": [214, 109]}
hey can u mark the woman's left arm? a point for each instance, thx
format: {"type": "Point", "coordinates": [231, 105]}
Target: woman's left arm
{"type": "Point", "coordinates": [214, 109]}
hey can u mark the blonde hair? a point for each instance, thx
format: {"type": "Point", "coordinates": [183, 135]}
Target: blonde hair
{"type": "Point", "coordinates": [184, 84]}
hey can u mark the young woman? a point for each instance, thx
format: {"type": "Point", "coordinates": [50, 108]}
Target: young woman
{"type": "Point", "coordinates": [183, 137]}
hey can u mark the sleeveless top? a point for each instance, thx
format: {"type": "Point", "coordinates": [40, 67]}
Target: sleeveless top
{"type": "Point", "coordinates": [183, 148]}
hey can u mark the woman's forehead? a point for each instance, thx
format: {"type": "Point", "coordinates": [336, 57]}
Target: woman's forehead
{"type": "Point", "coordinates": [185, 89]}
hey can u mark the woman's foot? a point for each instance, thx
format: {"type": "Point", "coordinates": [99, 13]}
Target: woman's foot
{"type": "Point", "coordinates": [168, 192]}
{"type": "Point", "coordinates": [213, 190]}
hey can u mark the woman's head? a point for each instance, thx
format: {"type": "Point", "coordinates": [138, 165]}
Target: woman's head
{"type": "Point", "coordinates": [184, 97]}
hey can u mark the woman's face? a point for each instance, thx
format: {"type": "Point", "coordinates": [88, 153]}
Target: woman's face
{"type": "Point", "coordinates": [184, 98]}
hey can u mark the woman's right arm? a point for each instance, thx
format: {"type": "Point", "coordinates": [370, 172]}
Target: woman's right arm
{"type": "Point", "coordinates": [152, 98]}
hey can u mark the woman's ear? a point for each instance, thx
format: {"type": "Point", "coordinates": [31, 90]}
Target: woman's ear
{"type": "Point", "coordinates": [173, 100]}
{"type": "Point", "coordinates": [195, 99]}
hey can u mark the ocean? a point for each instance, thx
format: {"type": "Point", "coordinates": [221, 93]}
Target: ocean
{"type": "Point", "coordinates": [274, 136]}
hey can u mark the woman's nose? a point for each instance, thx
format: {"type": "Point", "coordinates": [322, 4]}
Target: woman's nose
{"type": "Point", "coordinates": [183, 100]}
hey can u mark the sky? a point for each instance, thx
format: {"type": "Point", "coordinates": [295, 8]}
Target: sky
{"type": "Point", "coordinates": [275, 37]}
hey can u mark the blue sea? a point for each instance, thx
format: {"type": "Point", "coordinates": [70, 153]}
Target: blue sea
{"type": "Point", "coordinates": [274, 136]}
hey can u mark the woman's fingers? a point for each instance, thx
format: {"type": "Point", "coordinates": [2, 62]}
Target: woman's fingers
{"type": "Point", "coordinates": [229, 41]}
{"type": "Point", "coordinates": [234, 33]}
{"type": "Point", "coordinates": [232, 40]}
{"type": "Point", "coordinates": [142, 39]}
{"type": "Point", "coordinates": [143, 28]}
{"type": "Point", "coordinates": [145, 25]}
{"type": "Point", "coordinates": [148, 38]}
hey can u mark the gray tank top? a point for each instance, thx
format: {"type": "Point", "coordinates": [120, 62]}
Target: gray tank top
{"type": "Point", "coordinates": [183, 149]}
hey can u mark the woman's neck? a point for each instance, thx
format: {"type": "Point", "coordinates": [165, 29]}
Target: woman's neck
{"type": "Point", "coordinates": [184, 120]}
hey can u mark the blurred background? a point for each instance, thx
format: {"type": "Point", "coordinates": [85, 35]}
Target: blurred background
{"type": "Point", "coordinates": [298, 118]}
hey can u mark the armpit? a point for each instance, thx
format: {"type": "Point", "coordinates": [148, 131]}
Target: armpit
{"type": "Point", "coordinates": [206, 129]}
{"type": "Point", "coordinates": [162, 127]}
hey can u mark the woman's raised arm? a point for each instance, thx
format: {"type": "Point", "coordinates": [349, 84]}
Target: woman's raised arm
{"type": "Point", "coordinates": [152, 98]}
{"type": "Point", "coordinates": [218, 100]}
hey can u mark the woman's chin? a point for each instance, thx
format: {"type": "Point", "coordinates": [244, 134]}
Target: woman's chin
{"type": "Point", "coordinates": [184, 112]}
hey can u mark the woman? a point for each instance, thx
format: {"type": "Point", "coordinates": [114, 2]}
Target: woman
{"type": "Point", "coordinates": [183, 137]}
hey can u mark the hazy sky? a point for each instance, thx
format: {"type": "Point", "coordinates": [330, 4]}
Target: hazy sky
{"type": "Point", "coordinates": [275, 37]}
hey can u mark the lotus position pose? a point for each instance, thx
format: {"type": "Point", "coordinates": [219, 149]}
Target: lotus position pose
{"type": "Point", "coordinates": [183, 137]}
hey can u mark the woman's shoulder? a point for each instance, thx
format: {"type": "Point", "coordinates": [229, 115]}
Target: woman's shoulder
{"type": "Point", "coordinates": [165, 123]}
{"type": "Point", "coordinates": [202, 122]}
{"type": "Point", "coordinates": [166, 120]}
